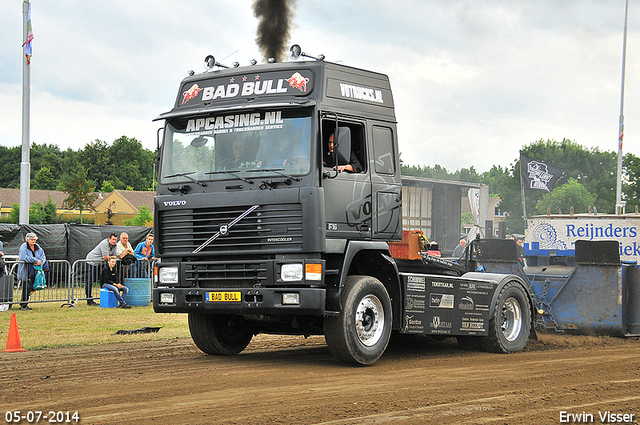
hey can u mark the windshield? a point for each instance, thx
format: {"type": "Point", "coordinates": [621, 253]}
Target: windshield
{"type": "Point", "coordinates": [228, 145]}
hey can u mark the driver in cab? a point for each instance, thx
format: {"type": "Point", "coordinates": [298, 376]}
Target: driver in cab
{"type": "Point", "coordinates": [329, 159]}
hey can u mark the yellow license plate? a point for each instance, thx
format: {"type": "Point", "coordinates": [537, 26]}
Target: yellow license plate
{"type": "Point", "coordinates": [224, 296]}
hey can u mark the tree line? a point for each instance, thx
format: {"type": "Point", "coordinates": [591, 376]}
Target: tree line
{"type": "Point", "coordinates": [588, 182]}
{"type": "Point", "coordinates": [122, 165]}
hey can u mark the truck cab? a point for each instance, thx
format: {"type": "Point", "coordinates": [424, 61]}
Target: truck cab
{"type": "Point", "coordinates": [279, 189]}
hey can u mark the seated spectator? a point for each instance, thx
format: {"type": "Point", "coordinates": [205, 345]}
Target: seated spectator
{"type": "Point", "coordinates": [105, 249]}
{"type": "Point", "coordinates": [109, 280]}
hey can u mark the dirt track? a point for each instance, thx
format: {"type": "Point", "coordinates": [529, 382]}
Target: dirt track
{"type": "Point", "coordinates": [290, 380]}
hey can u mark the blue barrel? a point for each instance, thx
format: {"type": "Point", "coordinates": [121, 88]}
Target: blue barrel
{"type": "Point", "coordinates": [139, 291]}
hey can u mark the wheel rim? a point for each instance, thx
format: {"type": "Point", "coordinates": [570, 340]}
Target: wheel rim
{"type": "Point", "coordinates": [231, 327]}
{"type": "Point", "coordinates": [511, 319]}
{"type": "Point", "coordinates": [370, 320]}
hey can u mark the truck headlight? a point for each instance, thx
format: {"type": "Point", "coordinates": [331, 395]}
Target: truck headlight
{"type": "Point", "coordinates": [291, 299]}
{"type": "Point", "coordinates": [168, 275]}
{"type": "Point", "coordinates": [166, 298]}
{"type": "Point", "coordinates": [291, 272]}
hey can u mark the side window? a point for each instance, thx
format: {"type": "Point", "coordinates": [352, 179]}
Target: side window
{"type": "Point", "coordinates": [383, 150]}
{"type": "Point", "coordinates": [349, 133]}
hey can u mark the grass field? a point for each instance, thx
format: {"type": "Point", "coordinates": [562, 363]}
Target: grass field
{"type": "Point", "coordinates": [50, 325]}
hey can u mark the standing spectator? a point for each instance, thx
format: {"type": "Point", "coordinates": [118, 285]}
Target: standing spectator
{"type": "Point", "coordinates": [109, 280]}
{"type": "Point", "coordinates": [521, 258]}
{"type": "Point", "coordinates": [144, 252]}
{"type": "Point", "coordinates": [124, 252]}
{"type": "Point", "coordinates": [2, 263]}
{"type": "Point", "coordinates": [105, 249]}
{"type": "Point", "coordinates": [459, 250]}
{"type": "Point", "coordinates": [520, 242]}
{"type": "Point", "coordinates": [29, 255]}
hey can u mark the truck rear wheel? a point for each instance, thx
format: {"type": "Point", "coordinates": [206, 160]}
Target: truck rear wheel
{"type": "Point", "coordinates": [219, 334]}
{"type": "Point", "coordinates": [361, 332]}
{"type": "Point", "coordinates": [510, 326]}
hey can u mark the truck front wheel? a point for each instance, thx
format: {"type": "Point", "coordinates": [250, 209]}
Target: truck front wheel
{"type": "Point", "coordinates": [361, 332]}
{"type": "Point", "coordinates": [510, 326]}
{"type": "Point", "coordinates": [219, 334]}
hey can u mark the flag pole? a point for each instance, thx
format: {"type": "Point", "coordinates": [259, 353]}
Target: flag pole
{"type": "Point", "coordinates": [619, 202]}
{"type": "Point", "coordinates": [25, 166]}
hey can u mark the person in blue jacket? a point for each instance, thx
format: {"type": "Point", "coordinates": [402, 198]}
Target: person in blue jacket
{"type": "Point", "coordinates": [30, 254]}
{"type": "Point", "coordinates": [2, 262]}
{"type": "Point", "coordinates": [144, 252]}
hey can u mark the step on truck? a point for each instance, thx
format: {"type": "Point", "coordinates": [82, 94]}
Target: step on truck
{"type": "Point", "coordinates": [279, 191]}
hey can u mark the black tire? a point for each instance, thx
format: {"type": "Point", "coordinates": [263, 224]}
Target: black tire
{"type": "Point", "coordinates": [361, 332]}
{"type": "Point", "coordinates": [220, 334]}
{"type": "Point", "coordinates": [510, 326]}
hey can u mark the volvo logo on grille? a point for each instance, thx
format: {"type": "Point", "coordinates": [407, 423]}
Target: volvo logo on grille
{"type": "Point", "coordinates": [224, 229]}
{"type": "Point", "coordinates": [174, 203]}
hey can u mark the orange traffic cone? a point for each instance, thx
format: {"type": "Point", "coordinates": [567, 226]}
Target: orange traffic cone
{"type": "Point", "coordinates": [13, 342]}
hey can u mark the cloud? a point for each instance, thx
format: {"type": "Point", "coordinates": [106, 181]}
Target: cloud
{"type": "Point", "coordinates": [473, 81]}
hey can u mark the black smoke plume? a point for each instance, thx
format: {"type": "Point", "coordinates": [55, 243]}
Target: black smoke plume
{"type": "Point", "coordinates": [274, 26]}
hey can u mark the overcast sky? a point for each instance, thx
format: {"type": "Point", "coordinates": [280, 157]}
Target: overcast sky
{"type": "Point", "coordinates": [473, 81]}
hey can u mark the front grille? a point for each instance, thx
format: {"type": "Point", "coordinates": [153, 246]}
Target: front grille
{"type": "Point", "coordinates": [227, 274]}
{"type": "Point", "coordinates": [269, 229]}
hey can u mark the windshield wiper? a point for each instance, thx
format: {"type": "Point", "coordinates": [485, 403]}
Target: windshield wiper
{"type": "Point", "coordinates": [186, 174]}
{"type": "Point", "coordinates": [277, 171]}
{"type": "Point", "coordinates": [233, 173]}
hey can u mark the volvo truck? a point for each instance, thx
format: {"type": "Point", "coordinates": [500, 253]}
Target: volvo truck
{"type": "Point", "coordinates": [279, 192]}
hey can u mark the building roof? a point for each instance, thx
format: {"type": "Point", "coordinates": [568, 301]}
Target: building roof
{"type": "Point", "coordinates": [9, 197]}
{"type": "Point", "coordinates": [12, 196]}
{"type": "Point", "coordinates": [138, 198]}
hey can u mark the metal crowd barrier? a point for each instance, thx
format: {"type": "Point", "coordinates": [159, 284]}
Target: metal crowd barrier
{"type": "Point", "coordinates": [67, 283]}
{"type": "Point", "coordinates": [57, 289]}
{"type": "Point", "coordinates": [85, 277]}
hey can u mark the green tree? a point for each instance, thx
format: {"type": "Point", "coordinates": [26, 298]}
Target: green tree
{"type": "Point", "coordinates": [95, 159]}
{"type": "Point", "coordinates": [69, 162]}
{"type": "Point", "coordinates": [495, 178]}
{"type": "Point", "coordinates": [107, 186]}
{"type": "Point", "coordinates": [561, 199]}
{"type": "Point", "coordinates": [466, 218]}
{"type": "Point", "coordinates": [10, 166]}
{"type": "Point", "coordinates": [36, 213]}
{"type": "Point", "coordinates": [592, 168]}
{"type": "Point", "coordinates": [43, 155]}
{"type": "Point", "coordinates": [15, 213]}
{"type": "Point", "coordinates": [44, 180]}
{"type": "Point", "coordinates": [133, 163]}
{"type": "Point", "coordinates": [50, 212]}
{"type": "Point", "coordinates": [79, 191]}
{"type": "Point", "coordinates": [143, 217]}
{"type": "Point", "coordinates": [631, 181]}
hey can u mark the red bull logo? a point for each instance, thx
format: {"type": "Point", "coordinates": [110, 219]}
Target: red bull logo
{"type": "Point", "coordinates": [191, 93]}
{"type": "Point", "coordinates": [298, 81]}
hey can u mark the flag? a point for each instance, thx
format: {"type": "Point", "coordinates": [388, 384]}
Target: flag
{"type": "Point", "coordinates": [27, 50]}
{"type": "Point", "coordinates": [537, 175]}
